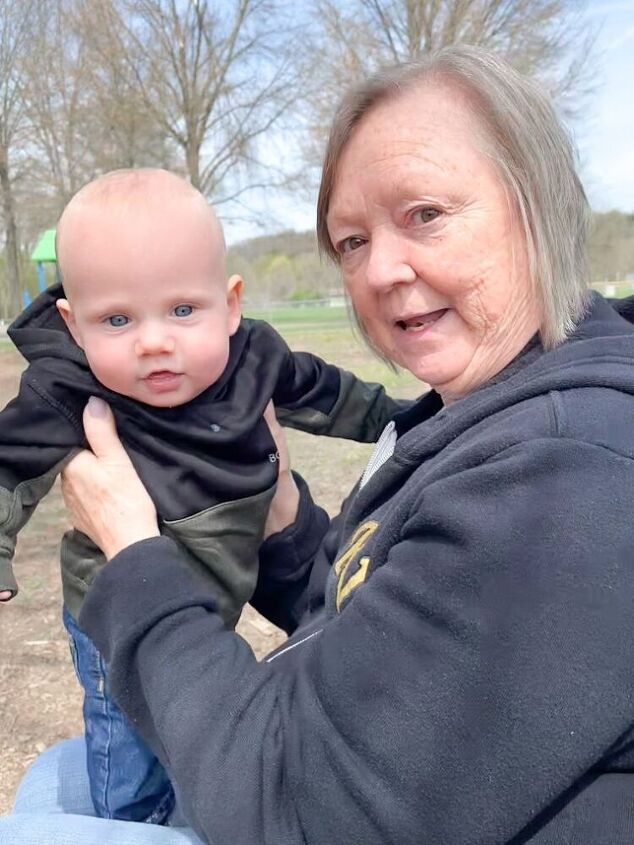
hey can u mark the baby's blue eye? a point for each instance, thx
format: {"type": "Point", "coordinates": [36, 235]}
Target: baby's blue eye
{"type": "Point", "coordinates": [183, 310]}
{"type": "Point", "coordinates": [118, 320]}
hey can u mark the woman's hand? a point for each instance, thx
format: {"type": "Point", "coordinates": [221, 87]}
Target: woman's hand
{"type": "Point", "coordinates": [102, 490]}
{"type": "Point", "coordinates": [285, 502]}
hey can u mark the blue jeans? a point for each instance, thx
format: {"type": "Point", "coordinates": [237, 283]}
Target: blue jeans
{"type": "Point", "coordinates": [53, 807]}
{"type": "Point", "coordinates": [127, 782]}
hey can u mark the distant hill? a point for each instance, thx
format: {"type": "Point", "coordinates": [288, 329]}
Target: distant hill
{"type": "Point", "coordinates": [283, 267]}
{"type": "Point", "coordinates": [289, 243]}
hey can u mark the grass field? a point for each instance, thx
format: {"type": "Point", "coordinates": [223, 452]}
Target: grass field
{"type": "Point", "coordinates": [298, 317]}
{"type": "Point", "coordinates": [39, 698]}
{"type": "Point", "coordinates": [616, 290]}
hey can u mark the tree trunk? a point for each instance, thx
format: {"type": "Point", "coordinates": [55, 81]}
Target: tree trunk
{"type": "Point", "coordinates": [12, 259]}
{"type": "Point", "coordinates": [192, 156]}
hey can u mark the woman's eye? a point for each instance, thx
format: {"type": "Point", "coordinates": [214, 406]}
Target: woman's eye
{"type": "Point", "coordinates": [426, 214]}
{"type": "Point", "coordinates": [350, 244]}
{"type": "Point", "coordinates": [118, 320]}
{"type": "Point", "coordinates": [183, 310]}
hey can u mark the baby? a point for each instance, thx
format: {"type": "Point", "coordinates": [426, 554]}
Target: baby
{"type": "Point", "coordinates": [148, 321]}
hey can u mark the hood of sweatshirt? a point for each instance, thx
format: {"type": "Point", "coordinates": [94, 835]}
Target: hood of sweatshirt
{"type": "Point", "coordinates": [40, 332]}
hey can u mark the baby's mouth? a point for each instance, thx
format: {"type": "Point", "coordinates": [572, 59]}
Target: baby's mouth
{"type": "Point", "coordinates": [161, 375]}
{"type": "Point", "coordinates": [420, 321]}
{"type": "Point", "coordinates": [163, 381]}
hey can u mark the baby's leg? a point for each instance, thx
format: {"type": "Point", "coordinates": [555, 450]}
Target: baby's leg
{"type": "Point", "coordinates": [127, 781]}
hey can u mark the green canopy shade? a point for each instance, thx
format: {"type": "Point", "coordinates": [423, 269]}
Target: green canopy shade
{"type": "Point", "coordinates": [45, 248]}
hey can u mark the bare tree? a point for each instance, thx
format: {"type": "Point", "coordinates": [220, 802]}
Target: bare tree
{"type": "Point", "coordinates": [129, 134]}
{"type": "Point", "coordinates": [214, 80]}
{"type": "Point", "coordinates": [91, 85]}
{"type": "Point", "coordinates": [84, 114]}
{"type": "Point", "coordinates": [59, 104]}
{"type": "Point", "coordinates": [549, 39]}
{"type": "Point", "coordinates": [15, 38]}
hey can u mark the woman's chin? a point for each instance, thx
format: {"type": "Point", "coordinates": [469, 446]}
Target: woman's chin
{"type": "Point", "coordinates": [433, 370]}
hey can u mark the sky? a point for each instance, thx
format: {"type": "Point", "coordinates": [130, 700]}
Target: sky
{"type": "Point", "coordinates": [604, 134]}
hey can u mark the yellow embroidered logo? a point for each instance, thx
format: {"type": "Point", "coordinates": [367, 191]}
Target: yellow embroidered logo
{"type": "Point", "coordinates": [347, 581]}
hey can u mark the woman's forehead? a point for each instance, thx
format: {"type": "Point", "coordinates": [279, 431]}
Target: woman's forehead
{"type": "Point", "coordinates": [429, 114]}
{"type": "Point", "coordinates": [427, 130]}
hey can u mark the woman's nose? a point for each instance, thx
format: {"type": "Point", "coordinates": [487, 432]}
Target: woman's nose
{"type": "Point", "coordinates": [153, 339]}
{"type": "Point", "coordinates": [390, 261]}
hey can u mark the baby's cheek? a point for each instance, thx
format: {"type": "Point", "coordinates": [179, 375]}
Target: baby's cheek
{"type": "Point", "coordinates": [110, 367]}
{"type": "Point", "coordinates": [213, 357]}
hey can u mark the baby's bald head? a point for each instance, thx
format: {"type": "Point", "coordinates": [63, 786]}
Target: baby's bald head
{"type": "Point", "coordinates": [127, 214]}
{"type": "Point", "coordinates": [142, 259]}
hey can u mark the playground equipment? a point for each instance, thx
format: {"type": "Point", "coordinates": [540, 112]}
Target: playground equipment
{"type": "Point", "coordinates": [44, 253]}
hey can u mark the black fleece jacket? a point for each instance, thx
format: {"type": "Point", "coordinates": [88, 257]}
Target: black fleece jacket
{"type": "Point", "coordinates": [462, 673]}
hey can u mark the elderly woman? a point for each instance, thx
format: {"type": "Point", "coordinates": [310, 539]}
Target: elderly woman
{"type": "Point", "coordinates": [460, 666]}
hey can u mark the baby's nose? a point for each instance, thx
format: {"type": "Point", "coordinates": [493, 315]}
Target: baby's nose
{"type": "Point", "coordinates": [153, 339]}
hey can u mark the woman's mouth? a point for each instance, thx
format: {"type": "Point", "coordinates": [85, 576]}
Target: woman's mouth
{"type": "Point", "coordinates": [419, 322]}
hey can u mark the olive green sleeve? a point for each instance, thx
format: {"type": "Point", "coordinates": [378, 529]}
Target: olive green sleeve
{"type": "Point", "coordinates": [220, 545]}
{"type": "Point", "coordinates": [361, 410]}
{"type": "Point", "coordinates": [16, 508]}
{"type": "Point", "coordinates": [37, 439]}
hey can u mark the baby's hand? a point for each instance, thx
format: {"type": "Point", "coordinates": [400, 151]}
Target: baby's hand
{"type": "Point", "coordinates": [285, 502]}
{"type": "Point", "coordinates": [5, 595]}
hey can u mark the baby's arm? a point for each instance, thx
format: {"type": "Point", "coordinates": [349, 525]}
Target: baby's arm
{"type": "Point", "coordinates": [318, 397]}
{"type": "Point", "coordinates": [36, 441]}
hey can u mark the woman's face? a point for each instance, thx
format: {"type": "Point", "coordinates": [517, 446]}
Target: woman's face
{"type": "Point", "coordinates": [432, 256]}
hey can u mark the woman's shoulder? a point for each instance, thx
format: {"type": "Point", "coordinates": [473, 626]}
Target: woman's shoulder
{"type": "Point", "coordinates": [600, 416]}
{"type": "Point", "coordinates": [591, 415]}
{"type": "Point", "coordinates": [587, 426]}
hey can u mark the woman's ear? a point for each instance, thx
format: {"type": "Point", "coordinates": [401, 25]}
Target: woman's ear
{"type": "Point", "coordinates": [234, 302]}
{"type": "Point", "coordinates": [66, 313]}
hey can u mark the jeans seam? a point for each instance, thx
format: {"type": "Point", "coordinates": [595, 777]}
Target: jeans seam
{"type": "Point", "coordinates": [108, 717]}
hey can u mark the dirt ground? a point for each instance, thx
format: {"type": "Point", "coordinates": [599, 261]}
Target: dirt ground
{"type": "Point", "coordinates": [40, 700]}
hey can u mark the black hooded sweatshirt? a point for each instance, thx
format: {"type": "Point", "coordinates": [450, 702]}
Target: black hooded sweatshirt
{"type": "Point", "coordinates": [462, 672]}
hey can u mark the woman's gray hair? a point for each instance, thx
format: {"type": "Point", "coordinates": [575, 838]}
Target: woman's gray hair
{"type": "Point", "coordinates": [530, 148]}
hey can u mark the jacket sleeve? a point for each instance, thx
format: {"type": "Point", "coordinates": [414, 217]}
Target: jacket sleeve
{"type": "Point", "coordinates": [294, 564]}
{"type": "Point", "coordinates": [459, 696]}
{"type": "Point", "coordinates": [37, 439]}
{"type": "Point", "coordinates": [320, 398]}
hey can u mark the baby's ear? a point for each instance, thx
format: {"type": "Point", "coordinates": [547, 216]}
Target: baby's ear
{"type": "Point", "coordinates": [66, 313]}
{"type": "Point", "coordinates": [234, 303]}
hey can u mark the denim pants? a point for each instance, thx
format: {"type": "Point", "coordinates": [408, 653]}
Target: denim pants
{"type": "Point", "coordinates": [53, 807]}
{"type": "Point", "coordinates": [127, 782]}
